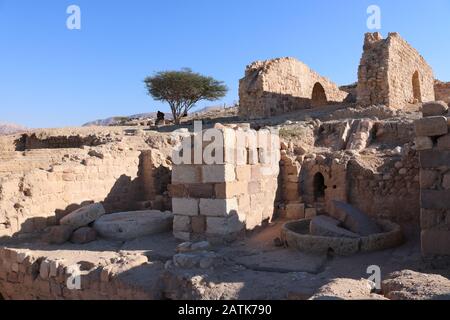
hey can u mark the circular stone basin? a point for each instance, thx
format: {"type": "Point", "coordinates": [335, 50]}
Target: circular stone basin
{"type": "Point", "coordinates": [296, 235]}
{"type": "Point", "coordinates": [132, 225]}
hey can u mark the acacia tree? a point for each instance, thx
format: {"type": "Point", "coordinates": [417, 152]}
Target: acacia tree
{"type": "Point", "coordinates": [183, 89]}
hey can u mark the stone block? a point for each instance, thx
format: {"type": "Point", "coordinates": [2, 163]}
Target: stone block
{"type": "Point", "coordinates": [434, 108]}
{"type": "Point", "coordinates": [58, 234]}
{"type": "Point", "coordinates": [423, 143]}
{"type": "Point", "coordinates": [355, 220]}
{"type": "Point", "coordinates": [218, 207]}
{"type": "Point", "coordinates": [83, 216]}
{"type": "Point", "coordinates": [310, 213]}
{"type": "Point", "coordinates": [182, 224]}
{"type": "Point", "coordinates": [432, 126]}
{"type": "Point", "coordinates": [198, 224]}
{"type": "Point", "coordinates": [443, 143]}
{"type": "Point", "coordinates": [228, 190]}
{"type": "Point", "coordinates": [328, 227]}
{"type": "Point", "coordinates": [185, 206]}
{"type": "Point", "coordinates": [427, 178]}
{"type": "Point", "coordinates": [200, 190]}
{"type": "Point", "coordinates": [435, 242]}
{"type": "Point", "coordinates": [183, 174]}
{"type": "Point", "coordinates": [177, 191]}
{"type": "Point", "coordinates": [223, 226]}
{"type": "Point", "coordinates": [183, 236]}
{"type": "Point", "coordinates": [434, 158]}
{"type": "Point", "coordinates": [218, 173]}
{"type": "Point", "coordinates": [132, 225]}
{"type": "Point", "coordinates": [295, 211]}
{"type": "Point", "coordinates": [243, 173]}
{"type": "Point", "coordinates": [83, 235]}
{"type": "Point", "coordinates": [446, 181]}
{"type": "Point", "coordinates": [435, 199]}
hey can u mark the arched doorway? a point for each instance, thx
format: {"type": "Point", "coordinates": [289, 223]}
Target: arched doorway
{"type": "Point", "coordinates": [319, 98]}
{"type": "Point", "coordinates": [417, 93]}
{"type": "Point", "coordinates": [319, 187]}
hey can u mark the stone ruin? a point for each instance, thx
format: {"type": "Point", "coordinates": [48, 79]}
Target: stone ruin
{"type": "Point", "coordinates": [393, 73]}
{"type": "Point", "coordinates": [283, 85]}
{"type": "Point", "coordinates": [237, 193]}
{"type": "Point", "coordinates": [141, 224]}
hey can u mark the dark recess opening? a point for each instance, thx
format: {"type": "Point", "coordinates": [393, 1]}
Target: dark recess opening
{"type": "Point", "coordinates": [319, 187]}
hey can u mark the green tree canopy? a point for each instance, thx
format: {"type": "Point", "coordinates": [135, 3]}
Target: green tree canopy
{"type": "Point", "coordinates": [183, 89]}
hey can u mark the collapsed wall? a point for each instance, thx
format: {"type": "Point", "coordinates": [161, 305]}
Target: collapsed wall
{"type": "Point", "coordinates": [283, 85]}
{"type": "Point", "coordinates": [236, 192]}
{"type": "Point", "coordinates": [393, 73]}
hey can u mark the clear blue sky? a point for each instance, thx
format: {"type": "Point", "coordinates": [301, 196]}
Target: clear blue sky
{"type": "Point", "coordinates": [51, 76]}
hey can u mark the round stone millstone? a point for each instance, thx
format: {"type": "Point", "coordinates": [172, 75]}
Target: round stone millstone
{"type": "Point", "coordinates": [132, 225]}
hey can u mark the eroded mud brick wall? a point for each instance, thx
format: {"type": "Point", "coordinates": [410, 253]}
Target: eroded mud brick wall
{"type": "Point", "coordinates": [433, 141]}
{"type": "Point", "coordinates": [282, 85]}
{"type": "Point", "coordinates": [393, 73]}
{"type": "Point", "coordinates": [220, 201]}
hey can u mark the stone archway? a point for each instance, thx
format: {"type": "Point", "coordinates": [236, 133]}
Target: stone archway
{"type": "Point", "coordinates": [319, 187]}
{"type": "Point", "coordinates": [319, 97]}
{"type": "Point", "coordinates": [417, 92]}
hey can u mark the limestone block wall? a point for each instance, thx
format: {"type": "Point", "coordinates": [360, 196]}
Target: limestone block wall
{"type": "Point", "coordinates": [283, 85]}
{"type": "Point", "coordinates": [442, 91]}
{"type": "Point", "coordinates": [219, 201]}
{"type": "Point", "coordinates": [38, 198]}
{"type": "Point", "coordinates": [393, 73]}
{"type": "Point", "coordinates": [433, 141]}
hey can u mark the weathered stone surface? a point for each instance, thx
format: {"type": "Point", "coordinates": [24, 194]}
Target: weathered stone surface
{"type": "Point", "coordinates": [435, 242]}
{"type": "Point", "coordinates": [434, 158]}
{"type": "Point", "coordinates": [83, 216]}
{"type": "Point", "coordinates": [223, 226]}
{"type": "Point", "coordinates": [435, 199]}
{"type": "Point", "coordinates": [185, 174]}
{"type": "Point", "coordinates": [411, 285]}
{"type": "Point", "coordinates": [347, 289]}
{"type": "Point", "coordinates": [218, 207]}
{"type": "Point", "coordinates": [83, 235]}
{"type": "Point", "coordinates": [182, 223]}
{"type": "Point", "coordinates": [423, 143]}
{"type": "Point", "coordinates": [329, 227]}
{"type": "Point", "coordinates": [295, 211]}
{"type": "Point", "coordinates": [432, 126]}
{"type": "Point", "coordinates": [131, 225]}
{"type": "Point", "coordinates": [185, 206]}
{"type": "Point", "coordinates": [218, 173]}
{"type": "Point", "coordinates": [443, 143]}
{"type": "Point", "coordinates": [434, 108]}
{"type": "Point", "coordinates": [385, 60]}
{"type": "Point", "coordinates": [58, 234]}
{"type": "Point", "coordinates": [355, 220]}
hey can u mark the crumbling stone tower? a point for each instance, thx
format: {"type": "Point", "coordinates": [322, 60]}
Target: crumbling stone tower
{"type": "Point", "coordinates": [393, 73]}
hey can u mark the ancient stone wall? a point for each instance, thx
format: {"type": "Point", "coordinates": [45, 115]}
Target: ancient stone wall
{"type": "Point", "coordinates": [433, 142]}
{"type": "Point", "coordinates": [283, 85]}
{"type": "Point", "coordinates": [35, 275]}
{"type": "Point", "coordinates": [218, 201]}
{"type": "Point", "coordinates": [442, 91]}
{"type": "Point", "coordinates": [393, 73]}
{"type": "Point", "coordinates": [33, 197]}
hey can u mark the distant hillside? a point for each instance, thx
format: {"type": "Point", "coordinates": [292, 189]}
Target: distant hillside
{"type": "Point", "coordinates": [115, 120]}
{"type": "Point", "coordinates": [10, 128]}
